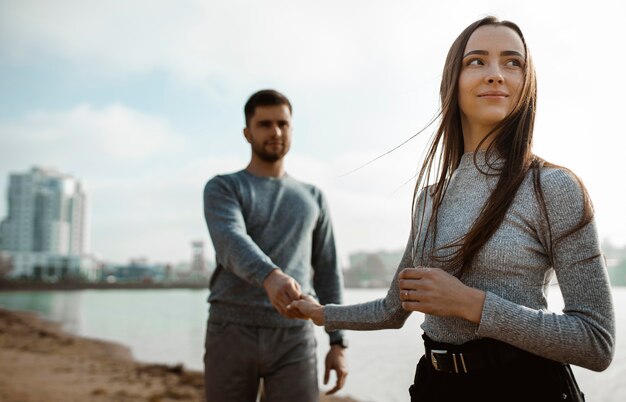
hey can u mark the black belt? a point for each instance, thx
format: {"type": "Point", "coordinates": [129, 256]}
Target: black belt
{"type": "Point", "coordinates": [471, 356]}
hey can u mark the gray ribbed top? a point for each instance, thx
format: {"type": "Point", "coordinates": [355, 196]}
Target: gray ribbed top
{"type": "Point", "coordinates": [258, 224]}
{"type": "Point", "coordinates": [515, 271]}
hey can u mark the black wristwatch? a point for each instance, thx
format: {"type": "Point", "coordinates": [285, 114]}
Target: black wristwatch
{"type": "Point", "coordinates": [340, 342]}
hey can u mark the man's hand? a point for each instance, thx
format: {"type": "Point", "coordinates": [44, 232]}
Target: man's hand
{"type": "Point", "coordinates": [281, 290]}
{"type": "Point", "coordinates": [335, 360]}
{"type": "Point", "coordinates": [308, 308]}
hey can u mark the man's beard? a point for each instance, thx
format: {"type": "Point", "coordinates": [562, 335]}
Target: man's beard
{"type": "Point", "coordinates": [267, 156]}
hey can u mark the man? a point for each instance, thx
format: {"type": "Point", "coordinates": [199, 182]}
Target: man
{"type": "Point", "coordinates": [274, 243]}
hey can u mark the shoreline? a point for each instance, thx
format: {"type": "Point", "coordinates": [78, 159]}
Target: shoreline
{"type": "Point", "coordinates": [19, 286]}
{"type": "Point", "coordinates": [50, 364]}
{"type": "Point", "coordinates": [25, 286]}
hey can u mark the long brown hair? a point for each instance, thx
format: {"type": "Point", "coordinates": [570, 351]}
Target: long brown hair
{"type": "Point", "coordinates": [510, 147]}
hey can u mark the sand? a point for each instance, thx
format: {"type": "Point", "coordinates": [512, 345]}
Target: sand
{"type": "Point", "coordinates": [40, 362]}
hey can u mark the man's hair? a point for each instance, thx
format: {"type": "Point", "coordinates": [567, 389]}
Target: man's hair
{"type": "Point", "coordinates": [264, 97]}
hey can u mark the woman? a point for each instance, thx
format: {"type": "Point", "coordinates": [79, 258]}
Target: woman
{"type": "Point", "coordinates": [486, 240]}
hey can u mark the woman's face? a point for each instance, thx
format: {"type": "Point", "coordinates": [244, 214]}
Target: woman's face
{"type": "Point", "coordinates": [491, 78]}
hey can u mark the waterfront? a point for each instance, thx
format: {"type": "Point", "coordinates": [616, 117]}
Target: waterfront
{"type": "Point", "coordinates": [167, 326]}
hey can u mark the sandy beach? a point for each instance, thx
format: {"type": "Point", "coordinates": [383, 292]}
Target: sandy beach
{"type": "Point", "coordinates": [40, 362]}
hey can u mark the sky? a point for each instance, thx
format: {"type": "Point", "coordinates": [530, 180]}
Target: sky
{"type": "Point", "coordinates": [142, 101]}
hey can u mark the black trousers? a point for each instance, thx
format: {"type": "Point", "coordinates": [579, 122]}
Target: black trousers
{"type": "Point", "coordinates": [527, 378]}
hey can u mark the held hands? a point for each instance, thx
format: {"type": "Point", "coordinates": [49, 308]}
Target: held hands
{"type": "Point", "coordinates": [286, 296]}
{"type": "Point", "coordinates": [308, 308]}
{"type": "Point", "coordinates": [335, 359]}
{"type": "Point", "coordinates": [436, 292]}
{"type": "Point", "coordinates": [281, 290]}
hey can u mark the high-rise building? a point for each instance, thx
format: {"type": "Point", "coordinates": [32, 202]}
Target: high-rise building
{"type": "Point", "coordinates": [46, 214]}
{"type": "Point", "coordinates": [46, 220]}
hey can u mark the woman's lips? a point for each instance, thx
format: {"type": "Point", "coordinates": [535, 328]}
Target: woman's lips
{"type": "Point", "coordinates": [493, 95]}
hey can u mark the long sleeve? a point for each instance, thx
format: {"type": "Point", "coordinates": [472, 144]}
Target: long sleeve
{"type": "Point", "coordinates": [258, 224]}
{"type": "Point", "coordinates": [234, 248]}
{"type": "Point", "coordinates": [584, 334]}
{"type": "Point", "coordinates": [327, 278]}
{"type": "Point", "coordinates": [378, 314]}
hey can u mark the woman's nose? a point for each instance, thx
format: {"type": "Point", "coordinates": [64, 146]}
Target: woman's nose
{"type": "Point", "coordinates": [494, 75]}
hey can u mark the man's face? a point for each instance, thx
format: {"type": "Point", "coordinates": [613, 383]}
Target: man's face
{"type": "Point", "coordinates": [269, 132]}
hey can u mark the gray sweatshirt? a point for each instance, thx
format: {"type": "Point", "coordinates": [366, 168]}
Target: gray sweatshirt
{"type": "Point", "coordinates": [258, 224]}
{"type": "Point", "coordinates": [515, 271]}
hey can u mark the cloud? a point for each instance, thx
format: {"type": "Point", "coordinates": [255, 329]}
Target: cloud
{"type": "Point", "coordinates": [363, 76]}
{"type": "Point", "coordinates": [205, 42]}
{"type": "Point", "coordinates": [147, 201]}
{"type": "Point", "coordinates": [160, 214]}
{"type": "Point", "coordinates": [126, 36]}
{"type": "Point", "coordinates": [330, 43]}
{"type": "Point", "coordinates": [110, 149]}
{"type": "Point", "coordinates": [84, 136]}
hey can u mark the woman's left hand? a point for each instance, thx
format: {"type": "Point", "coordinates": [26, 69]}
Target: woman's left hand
{"type": "Point", "coordinates": [436, 292]}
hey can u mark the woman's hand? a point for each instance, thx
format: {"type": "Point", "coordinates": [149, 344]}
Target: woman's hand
{"type": "Point", "coordinates": [310, 308]}
{"type": "Point", "coordinates": [436, 292]}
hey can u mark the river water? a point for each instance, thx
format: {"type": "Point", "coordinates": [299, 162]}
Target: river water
{"type": "Point", "coordinates": [167, 326]}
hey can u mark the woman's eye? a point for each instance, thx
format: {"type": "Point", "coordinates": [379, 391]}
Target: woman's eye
{"type": "Point", "coordinates": [474, 62]}
{"type": "Point", "coordinates": [514, 63]}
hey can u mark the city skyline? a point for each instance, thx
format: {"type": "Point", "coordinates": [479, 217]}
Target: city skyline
{"type": "Point", "coordinates": [143, 101]}
{"type": "Point", "coordinates": [45, 231]}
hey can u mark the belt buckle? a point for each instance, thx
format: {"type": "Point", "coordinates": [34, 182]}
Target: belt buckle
{"type": "Point", "coordinates": [433, 357]}
{"type": "Point", "coordinates": [440, 352]}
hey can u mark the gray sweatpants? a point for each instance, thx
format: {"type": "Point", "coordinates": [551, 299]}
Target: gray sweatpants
{"type": "Point", "coordinates": [238, 356]}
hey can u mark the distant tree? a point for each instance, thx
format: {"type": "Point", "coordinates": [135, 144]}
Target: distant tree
{"type": "Point", "coordinates": [370, 270]}
{"type": "Point", "coordinates": [375, 266]}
